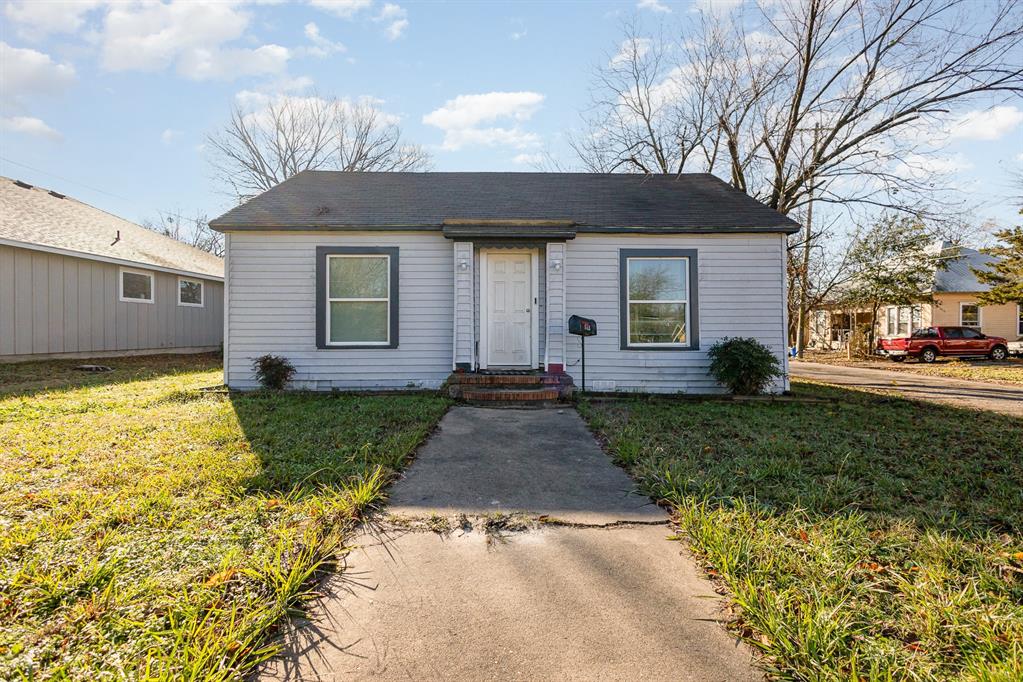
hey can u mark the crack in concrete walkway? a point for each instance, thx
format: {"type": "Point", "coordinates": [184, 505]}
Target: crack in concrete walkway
{"type": "Point", "coordinates": [514, 549]}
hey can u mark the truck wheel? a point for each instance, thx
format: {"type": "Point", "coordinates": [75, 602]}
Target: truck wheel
{"type": "Point", "coordinates": [999, 353]}
{"type": "Point", "coordinates": [929, 355]}
{"type": "Point", "coordinates": [897, 358]}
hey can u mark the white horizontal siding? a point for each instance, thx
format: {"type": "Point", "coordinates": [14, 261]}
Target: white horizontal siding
{"type": "Point", "coordinates": [272, 296]}
{"type": "Point", "coordinates": [741, 293]}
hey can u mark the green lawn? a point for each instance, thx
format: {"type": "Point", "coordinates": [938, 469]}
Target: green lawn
{"type": "Point", "coordinates": [857, 540]}
{"type": "Point", "coordinates": [149, 529]}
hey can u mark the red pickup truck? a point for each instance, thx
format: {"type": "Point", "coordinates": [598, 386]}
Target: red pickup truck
{"type": "Point", "coordinates": [930, 342]}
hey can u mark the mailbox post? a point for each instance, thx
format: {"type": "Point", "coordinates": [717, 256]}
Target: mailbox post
{"type": "Point", "coordinates": [582, 327]}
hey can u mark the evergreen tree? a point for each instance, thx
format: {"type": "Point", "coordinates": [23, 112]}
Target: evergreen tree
{"type": "Point", "coordinates": [1005, 275]}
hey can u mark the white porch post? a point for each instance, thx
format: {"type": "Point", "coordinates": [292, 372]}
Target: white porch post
{"type": "Point", "coordinates": [464, 326]}
{"type": "Point", "coordinates": [556, 308]}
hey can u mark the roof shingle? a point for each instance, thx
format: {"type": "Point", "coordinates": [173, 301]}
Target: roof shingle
{"type": "Point", "coordinates": [693, 202]}
{"type": "Point", "coordinates": [33, 215]}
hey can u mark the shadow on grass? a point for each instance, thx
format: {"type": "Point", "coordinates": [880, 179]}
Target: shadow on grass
{"type": "Point", "coordinates": [26, 379]}
{"type": "Point", "coordinates": [306, 440]}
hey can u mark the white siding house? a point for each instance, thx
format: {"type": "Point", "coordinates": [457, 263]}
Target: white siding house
{"type": "Point", "coordinates": [391, 281]}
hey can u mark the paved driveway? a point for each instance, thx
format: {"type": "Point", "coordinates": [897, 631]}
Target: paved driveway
{"type": "Point", "coordinates": [501, 592]}
{"type": "Point", "coordinates": [976, 394]}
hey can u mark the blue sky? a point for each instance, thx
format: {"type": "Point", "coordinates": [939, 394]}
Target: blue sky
{"type": "Point", "coordinates": [111, 104]}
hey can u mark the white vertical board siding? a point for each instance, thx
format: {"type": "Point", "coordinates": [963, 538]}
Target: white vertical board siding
{"type": "Point", "coordinates": [273, 310]}
{"type": "Point", "coordinates": [53, 305]}
{"type": "Point", "coordinates": [741, 293]}
{"type": "Point", "coordinates": [554, 316]}
{"type": "Point", "coordinates": [464, 305]}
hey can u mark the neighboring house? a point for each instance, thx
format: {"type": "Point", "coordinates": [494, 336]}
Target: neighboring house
{"type": "Point", "coordinates": [78, 282]}
{"type": "Point", "coordinates": [955, 304]}
{"type": "Point", "coordinates": [393, 280]}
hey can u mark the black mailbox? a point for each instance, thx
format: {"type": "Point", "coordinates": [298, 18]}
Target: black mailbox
{"type": "Point", "coordinates": [582, 326]}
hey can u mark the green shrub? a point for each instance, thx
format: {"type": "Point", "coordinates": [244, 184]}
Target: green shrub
{"type": "Point", "coordinates": [273, 371]}
{"type": "Point", "coordinates": [744, 366]}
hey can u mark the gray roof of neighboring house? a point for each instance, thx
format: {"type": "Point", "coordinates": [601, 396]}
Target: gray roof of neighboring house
{"type": "Point", "coordinates": [957, 275]}
{"type": "Point", "coordinates": [35, 216]}
{"type": "Point", "coordinates": [592, 202]}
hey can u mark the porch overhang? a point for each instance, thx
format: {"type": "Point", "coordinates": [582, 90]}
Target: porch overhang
{"type": "Point", "coordinates": [548, 230]}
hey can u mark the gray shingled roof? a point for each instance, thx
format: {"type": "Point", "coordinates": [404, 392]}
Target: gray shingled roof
{"type": "Point", "coordinates": [694, 202]}
{"type": "Point", "coordinates": [958, 276]}
{"type": "Point", "coordinates": [37, 216]}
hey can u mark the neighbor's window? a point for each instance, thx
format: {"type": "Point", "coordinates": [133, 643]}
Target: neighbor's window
{"type": "Point", "coordinates": [658, 301]}
{"type": "Point", "coordinates": [190, 292]}
{"type": "Point", "coordinates": [902, 320]}
{"type": "Point", "coordinates": [969, 315]}
{"type": "Point", "coordinates": [136, 286]}
{"type": "Point", "coordinates": [358, 297]}
{"type": "Point", "coordinates": [1019, 322]}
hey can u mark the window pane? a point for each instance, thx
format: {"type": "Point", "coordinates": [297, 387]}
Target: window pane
{"type": "Point", "coordinates": [657, 323]}
{"type": "Point", "coordinates": [358, 277]}
{"type": "Point", "coordinates": [892, 312]}
{"type": "Point", "coordinates": [657, 279]}
{"type": "Point", "coordinates": [971, 334]}
{"type": "Point", "coordinates": [136, 286]}
{"type": "Point", "coordinates": [191, 292]}
{"type": "Point", "coordinates": [358, 322]}
{"type": "Point", "coordinates": [971, 316]}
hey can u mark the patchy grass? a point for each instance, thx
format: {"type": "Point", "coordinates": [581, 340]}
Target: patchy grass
{"type": "Point", "coordinates": [1009, 372]}
{"type": "Point", "coordinates": [153, 530]}
{"type": "Point", "coordinates": [858, 540]}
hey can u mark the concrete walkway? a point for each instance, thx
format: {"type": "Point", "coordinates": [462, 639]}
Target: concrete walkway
{"type": "Point", "coordinates": [957, 392]}
{"type": "Point", "coordinates": [466, 578]}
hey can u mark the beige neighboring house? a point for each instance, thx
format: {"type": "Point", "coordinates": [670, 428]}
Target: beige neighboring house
{"type": "Point", "coordinates": [78, 282]}
{"type": "Point", "coordinates": [955, 305]}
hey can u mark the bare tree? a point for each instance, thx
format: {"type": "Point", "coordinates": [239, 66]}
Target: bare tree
{"type": "Point", "coordinates": [194, 230]}
{"type": "Point", "coordinates": [257, 150]}
{"type": "Point", "coordinates": [741, 96]}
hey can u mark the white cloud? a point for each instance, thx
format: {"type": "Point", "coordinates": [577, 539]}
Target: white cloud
{"type": "Point", "coordinates": [37, 19]}
{"type": "Point", "coordinates": [717, 6]}
{"type": "Point", "coordinates": [518, 35]}
{"type": "Point", "coordinates": [321, 46]}
{"type": "Point", "coordinates": [527, 159]}
{"type": "Point", "coordinates": [653, 6]}
{"type": "Point", "coordinates": [169, 135]}
{"type": "Point", "coordinates": [633, 48]}
{"type": "Point", "coordinates": [28, 125]}
{"type": "Point", "coordinates": [922, 166]}
{"type": "Point", "coordinates": [251, 100]}
{"type": "Point", "coordinates": [346, 9]}
{"type": "Point", "coordinates": [28, 72]}
{"type": "Point", "coordinates": [396, 18]}
{"type": "Point", "coordinates": [462, 119]}
{"type": "Point", "coordinates": [990, 124]}
{"type": "Point", "coordinates": [190, 36]}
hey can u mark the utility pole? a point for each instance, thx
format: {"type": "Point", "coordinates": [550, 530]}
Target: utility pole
{"type": "Point", "coordinates": [805, 272]}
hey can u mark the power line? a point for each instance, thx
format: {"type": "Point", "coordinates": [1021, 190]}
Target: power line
{"type": "Point", "coordinates": [63, 179]}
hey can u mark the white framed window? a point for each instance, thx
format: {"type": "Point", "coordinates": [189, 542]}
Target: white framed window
{"type": "Point", "coordinates": [136, 286]}
{"type": "Point", "coordinates": [902, 320]}
{"type": "Point", "coordinates": [191, 292]}
{"type": "Point", "coordinates": [358, 310]}
{"type": "Point", "coordinates": [969, 315]}
{"type": "Point", "coordinates": [657, 301]}
{"type": "Point", "coordinates": [1019, 319]}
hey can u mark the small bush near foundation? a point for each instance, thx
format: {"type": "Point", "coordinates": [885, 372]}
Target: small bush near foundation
{"type": "Point", "coordinates": [744, 366]}
{"type": "Point", "coordinates": [273, 371]}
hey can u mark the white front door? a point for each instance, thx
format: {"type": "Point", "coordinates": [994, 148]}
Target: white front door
{"type": "Point", "coordinates": [509, 303]}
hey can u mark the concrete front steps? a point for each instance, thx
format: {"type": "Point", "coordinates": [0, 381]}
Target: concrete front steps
{"type": "Point", "coordinates": [509, 389]}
